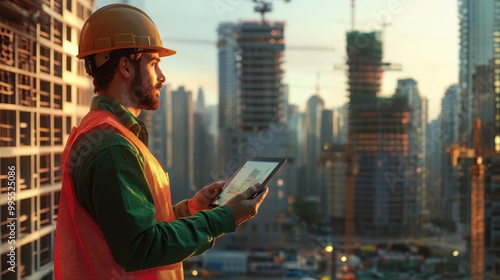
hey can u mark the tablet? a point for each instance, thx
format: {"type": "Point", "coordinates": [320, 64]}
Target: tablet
{"type": "Point", "coordinates": [256, 170]}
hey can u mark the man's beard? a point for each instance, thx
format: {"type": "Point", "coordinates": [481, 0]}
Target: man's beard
{"type": "Point", "coordinates": [148, 96]}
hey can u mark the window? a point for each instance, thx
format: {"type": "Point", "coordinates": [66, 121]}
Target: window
{"type": "Point", "coordinates": [79, 10]}
{"type": "Point", "coordinates": [45, 59]}
{"type": "Point", "coordinates": [68, 33]}
{"type": "Point", "coordinates": [68, 125]}
{"type": "Point", "coordinates": [58, 32]}
{"type": "Point", "coordinates": [25, 53]}
{"type": "Point", "coordinates": [58, 96]}
{"type": "Point", "coordinates": [45, 31]}
{"type": "Point", "coordinates": [58, 130]}
{"type": "Point", "coordinates": [58, 167]}
{"type": "Point", "coordinates": [58, 64]}
{"type": "Point", "coordinates": [7, 95]}
{"type": "Point", "coordinates": [45, 210]}
{"type": "Point", "coordinates": [45, 94]}
{"type": "Point", "coordinates": [45, 249]}
{"type": "Point", "coordinates": [44, 169]}
{"type": "Point", "coordinates": [6, 46]}
{"type": "Point", "coordinates": [68, 93]}
{"type": "Point", "coordinates": [58, 6]}
{"type": "Point", "coordinates": [25, 128]}
{"type": "Point", "coordinates": [7, 129]}
{"type": "Point", "coordinates": [44, 130]}
{"type": "Point", "coordinates": [68, 63]}
{"type": "Point", "coordinates": [27, 90]}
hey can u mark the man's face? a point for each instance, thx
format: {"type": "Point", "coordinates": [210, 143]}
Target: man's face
{"type": "Point", "coordinates": [148, 81]}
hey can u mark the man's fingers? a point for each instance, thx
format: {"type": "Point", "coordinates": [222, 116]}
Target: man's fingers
{"type": "Point", "coordinates": [216, 186]}
{"type": "Point", "coordinates": [249, 192]}
{"type": "Point", "coordinates": [261, 196]}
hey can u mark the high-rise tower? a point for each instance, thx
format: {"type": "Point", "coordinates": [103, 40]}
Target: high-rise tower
{"type": "Point", "coordinates": [252, 116]}
{"type": "Point", "coordinates": [479, 86]}
{"type": "Point", "coordinates": [377, 142]}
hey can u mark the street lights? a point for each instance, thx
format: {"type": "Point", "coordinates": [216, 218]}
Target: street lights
{"type": "Point", "coordinates": [329, 249]}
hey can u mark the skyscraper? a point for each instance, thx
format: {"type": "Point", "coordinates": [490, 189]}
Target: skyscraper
{"type": "Point", "coordinates": [44, 92]}
{"type": "Point", "coordinates": [435, 157]}
{"type": "Point", "coordinates": [417, 149]}
{"type": "Point", "coordinates": [448, 137]}
{"type": "Point", "coordinates": [159, 125]}
{"type": "Point", "coordinates": [251, 91]}
{"type": "Point", "coordinates": [315, 107]}
{"type": "Point", "coordinates": [479, 85]}
{"type": "Point", "coordinates": [182, 169]}
{"type": "Point", "coordinates": [378, 140]}
{"type": "Point", "coordinates": [204, 143]}
{"type": "Point", "coordinates": [478, 79]}
{"type": "Point", "coordinates": [252, 119]}
{"type": "Point", "coordinates": [228, 50]}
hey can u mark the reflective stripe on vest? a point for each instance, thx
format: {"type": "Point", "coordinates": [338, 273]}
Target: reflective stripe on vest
{"type": "Point", "coordinates": [81, 251]}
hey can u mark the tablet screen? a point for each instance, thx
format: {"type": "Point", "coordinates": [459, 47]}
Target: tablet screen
{"type": "Point", "coordinates": [258, 170]}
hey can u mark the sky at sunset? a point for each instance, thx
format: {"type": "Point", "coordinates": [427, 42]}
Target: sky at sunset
{"type": "Point", "coordinates": [422, 36]}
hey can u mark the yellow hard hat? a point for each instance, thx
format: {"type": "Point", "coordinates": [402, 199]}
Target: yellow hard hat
{"type": "Point", "coordinates": [119, 26]}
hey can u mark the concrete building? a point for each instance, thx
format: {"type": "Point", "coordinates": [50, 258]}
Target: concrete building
{"type": "Point", "coordinates": [332, 177]}
{"type": "Point", "coordinates": [44, 92]}
{"type": "Point", "coordinates": [204, 144]}
{"type": "Point", "coordinates": [417, 137]}
{"type": "Point", "coordinates": [159, 125]}
{"type": "Point", "coordinates": [182, 169]}
{"type": "Point", "coordinates": [313, 145]}
{"type": "Point", "coordinates": [252, 118]}
{"type": "Point", "coordinates": [379, 141]}
{"type": "Point", "coordinates": [448, 137]}
{"type": "Point", "coordinates": [436, 156]}
{"type": "Point", "coordinates": [228, 50]}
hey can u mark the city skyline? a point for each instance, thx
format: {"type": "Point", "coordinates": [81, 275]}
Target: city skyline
{"type": "Point", "coordinates": [420, 37]}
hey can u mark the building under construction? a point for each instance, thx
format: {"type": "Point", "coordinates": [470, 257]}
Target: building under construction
{"type": "Point", "coordinates": [44, 91]}
{"type": "Point", "coordinates": [382, 200]}
{"type": "Point", "coordinates": [252, 103]}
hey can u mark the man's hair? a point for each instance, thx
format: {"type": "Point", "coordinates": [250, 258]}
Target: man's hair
{"type": "Point", "coordinates": [104, 74]}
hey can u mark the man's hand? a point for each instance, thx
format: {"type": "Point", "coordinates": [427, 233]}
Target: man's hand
{"type": "Point", "coordinates": [203, 197]}
{"type": "Point", "coordinates": [244, 208]}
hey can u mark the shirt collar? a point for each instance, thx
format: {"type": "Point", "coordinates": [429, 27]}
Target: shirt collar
{"type": "Point", "coordinates": [124, 116]}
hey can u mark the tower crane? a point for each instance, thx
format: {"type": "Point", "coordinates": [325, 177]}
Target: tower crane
{"type": "Point", "coordinates": [477, 225]}
{"type": "Point", "coordinates": [264, 7]}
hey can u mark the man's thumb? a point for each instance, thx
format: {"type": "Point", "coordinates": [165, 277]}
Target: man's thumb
{"type": "Point", "coordinates": [250, 192]}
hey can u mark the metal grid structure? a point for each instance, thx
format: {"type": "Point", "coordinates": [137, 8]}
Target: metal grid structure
{"type": "Point", "coordinates": [44, 92]}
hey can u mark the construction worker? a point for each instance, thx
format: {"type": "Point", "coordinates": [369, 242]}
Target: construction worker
{"type": "Point", "coordinates": [116, 219]}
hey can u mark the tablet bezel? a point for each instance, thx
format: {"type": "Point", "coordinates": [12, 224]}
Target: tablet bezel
{"type": "Point", "coordinates": [280, 161]}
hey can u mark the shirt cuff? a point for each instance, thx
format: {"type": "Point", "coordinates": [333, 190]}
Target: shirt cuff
{"type": "Point", "coordinates": [181, 209]}
{"type": "Point", "coordinates": [221, 220]}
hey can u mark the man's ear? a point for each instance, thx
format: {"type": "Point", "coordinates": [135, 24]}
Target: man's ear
{"type": "Point", "coordinates": [125, 67]}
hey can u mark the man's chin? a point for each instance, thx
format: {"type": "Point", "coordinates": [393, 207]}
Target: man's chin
{"type": "Point", "coordinates": [151, 106]}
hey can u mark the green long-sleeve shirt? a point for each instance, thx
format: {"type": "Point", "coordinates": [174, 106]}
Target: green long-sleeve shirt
{"type": "Point", "coordinates": [110, 184]}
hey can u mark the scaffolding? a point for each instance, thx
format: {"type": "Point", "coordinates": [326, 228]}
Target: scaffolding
{"type": "Point", "coordinates": [378, 138]}
{"type": "Point", "coordinates": [37, 112]}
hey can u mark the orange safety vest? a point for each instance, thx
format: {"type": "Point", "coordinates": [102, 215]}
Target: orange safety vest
{"type": "Point", "coordinates": [81, 251]}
